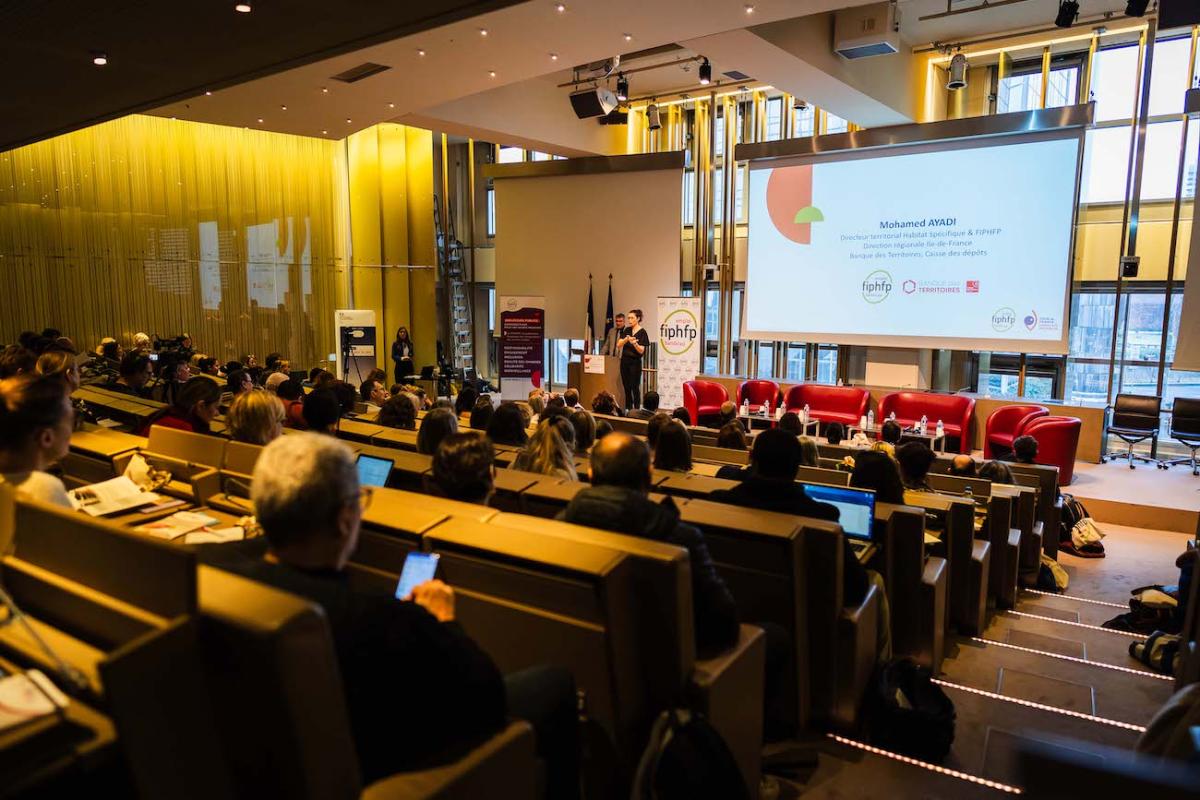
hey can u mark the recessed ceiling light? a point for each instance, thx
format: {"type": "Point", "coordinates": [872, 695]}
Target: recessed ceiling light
{"type": "Point", "coordinates": [629, 37]}
{"type": "Point", "coordinates": [560, 7]}
{"type": "Point", "coordinates": [749, 9]}
{"type": "Point", "coordinates": [283, 108]}
{"type": "Point", "coordinates": [324, 90]}
{"type": "Point", "coordinates": [491, 73]}
{"type": "Point", "coordinates": [347, 120]}
{"type": "Point", "coordinates": [242, 7]}
{"type": "Point", "coordinates": [208, 94]}
{"type": "Point", "coordinates": [391, 105]}
{"type": "Point", "coordinates": [420, 51]}
{"type": "Point", "coordinates": [99, 59]}
{"type": "Point", "coordinates": [483, 31]}
{"type": "Point", "coordinates": [554, 56]}
{"type": "Point", "coordinates": [325, 133]}
{"type": "Point", "coordinates": [260, 119]}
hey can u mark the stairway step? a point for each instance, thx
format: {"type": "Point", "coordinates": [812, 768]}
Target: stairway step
{"type": "Point", "coordinates": [1070, 609]}
{"type": "Point", "coordinates": [1056, 679]}
{"type": "Point", "coordinates": [1057, 636]}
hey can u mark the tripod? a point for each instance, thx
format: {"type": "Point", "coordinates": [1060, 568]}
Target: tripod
{"type": "Point", "coordinates": [347, 348]}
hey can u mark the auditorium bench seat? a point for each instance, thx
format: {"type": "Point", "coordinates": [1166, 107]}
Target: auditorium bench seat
{"type": "Point", "coordinates": [916, 585]}
{"type": "Point", "coordinates": [844, 404]}
{"type": "Point", "coordinates": [703, 399]}
{"type": "Point", "coordinates": [968, 559]}
{"type": "Point", "coordinates": [953, 410]}
{"type": "Point", "coordinates": [1007, 423]}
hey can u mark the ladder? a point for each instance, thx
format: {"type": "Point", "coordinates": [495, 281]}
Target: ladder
{"type": "Point", "coordinates": [457, 292]}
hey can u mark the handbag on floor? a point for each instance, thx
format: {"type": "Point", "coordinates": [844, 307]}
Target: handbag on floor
{"type": "Point", "coordinates": [1158, 652]}
{"type": "Point", "coordinates": [909, 714]}
{"type": "Point", "coordinates": [1150, 609]}
{"type": "Point", "coordinates": [1085, 539]}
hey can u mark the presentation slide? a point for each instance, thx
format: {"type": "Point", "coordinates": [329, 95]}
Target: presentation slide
{"type": "Point", "coordinates": [961, 248]}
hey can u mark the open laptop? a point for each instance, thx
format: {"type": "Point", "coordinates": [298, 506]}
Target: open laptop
{"type": "Point", "coordinates": [373, 471]}
{"type": "Point", "coordinates": [857, 507]}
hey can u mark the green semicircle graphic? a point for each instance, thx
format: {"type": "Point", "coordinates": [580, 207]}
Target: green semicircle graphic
{"type": "Point", "coordinates": [809, 214]}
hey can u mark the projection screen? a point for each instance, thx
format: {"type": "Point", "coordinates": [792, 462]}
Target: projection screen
{"type": "Point", "coordinates": [962, 245]}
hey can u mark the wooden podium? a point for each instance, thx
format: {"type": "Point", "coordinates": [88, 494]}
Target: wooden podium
{"type": "Point", "coordinates": [591, 384]}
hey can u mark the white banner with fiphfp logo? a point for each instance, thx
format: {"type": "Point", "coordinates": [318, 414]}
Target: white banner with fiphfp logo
{"type": "Point", "coordinates": [678, 347]}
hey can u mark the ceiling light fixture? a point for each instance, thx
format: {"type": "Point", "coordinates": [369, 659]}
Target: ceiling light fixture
{"type": "Point", "coordinates": [622, 87]}
{"type": "Point", "coordinates": [208, 94]}
{"type": "Point", "coordinates": [554, 56]}
{"type": "Point", "coordinates": [629, 37]}
{"type": "Point", "coordinates": [560, 7]}
{"type": "Point", "coordinates": [749, 9]}
{"type": "Point", "coordinates": [324, 133]}
{"type": "Point", "coordinates": [347, 120]}
{"type": "Point", "coordinates": [243, 8]}
{"type": "Point", "coordinates": [653, 122]}
{"type": "Point", "coordinates": [491, 73]}
{"type": "Point", "coordinates": [798, 104]}
{"type": "Point", "coordinates": [391, 105]}
{"type": "Point", "coordinates": [483, 31]}
{"type": "Point", "coordinates": [1068, 11]}
{"type": "Point", "coordinates": [283, 108]}
{"type": "Point", "coordinates": [420, 51]}
{"type": "Point", "coordinates": [957, 78]}
{"type": "Point", "coordinates": [1136, 8]}
{"type": "Point", "coordinates": [705, 73]}
{"type": "Point", "coordinates": [99, 59]}
{"type": "Point", "coordinates": [260, 119]}
{"type": "Point", "coordinates": [324, 90]}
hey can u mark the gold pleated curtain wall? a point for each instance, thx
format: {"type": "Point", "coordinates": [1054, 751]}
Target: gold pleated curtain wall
{"type": "Point", "coordinates": [147, 224]}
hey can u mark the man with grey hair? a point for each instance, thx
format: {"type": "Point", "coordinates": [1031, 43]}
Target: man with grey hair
{"type": "Point", "coordinates": [419, 691]}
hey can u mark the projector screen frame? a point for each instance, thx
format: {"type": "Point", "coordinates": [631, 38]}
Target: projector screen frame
{"type": "Point", "coordinates": [1067, 122]}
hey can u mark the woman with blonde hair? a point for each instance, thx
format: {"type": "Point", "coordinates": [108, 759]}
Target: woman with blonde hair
{"type": "Point", "coordinates": [255, 418]}
{"type": "Point", "coordinates": [61, 364]}
{"type": "Point", "coordinates": [549, 451]}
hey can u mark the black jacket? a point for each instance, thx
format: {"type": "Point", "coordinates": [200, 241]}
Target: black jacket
{"type": "Point", "coordinates": [419, 692]}
{"type": "Point", "coordinates": [789, 497]}
{"type": "Point", "coordinates": [631, 512]}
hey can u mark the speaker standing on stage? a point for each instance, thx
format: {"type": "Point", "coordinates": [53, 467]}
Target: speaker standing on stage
{"type": "Point", "coordinates": [633, 343]}
{"type": "Point", "coordinates": [611, 348]}
{"type": "Point", "coordinates": [402, 354]}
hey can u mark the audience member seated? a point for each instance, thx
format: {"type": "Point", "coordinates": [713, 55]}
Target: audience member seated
{"type": "Point", "coordinates": [134, 374]}
{"type": "Point", "coordinates": [570, 399]}
{"type": "Point", "coordinates": [16, 360]}
{"type": "Point", "coordinates": [810, 456]}
{"type": "Point", "coordinates": [771, 485]}
{"type": "Point", "coordinates": [963, 466]}
{"type": "Point", "coordinates": [603, 428]}
{"type": "Point", "coordinates": [508, 425]}
{"type": "Point", "coordinates": [879, 473]}
{"type": "Point", "coordinates": [654, 426]}
{"type": "Point", "coordinates": [889, 437]}
{"type": "Point", "coordinates": [618, 500]}
{"type": "Point", "coordinates": [606, 403]}
{"type": "Point", "coordinates": [397, 412]}
{"type": "Point", "coordinates": [465, 400]}
{"type": "Point", "coordinates": [273, 381]}
{"type": "Point", "coordinates": [554, 401]}
{"type": "Point", "coordinates": [790, 423]}
{"type": "Point", "coordinates": [649, 407]}
{"type": "Point", "coordinates": [996, 472]}
{"type": "Point", "coordinates": [437, 424]}
{"type": "Point", "coordinates": [537, 401]}
{"type": "Point", "coordinates": [322, 411]}
{"type": "Point", "coordinates": [585, 430]}
{"type": "Point", "coordinates": [915, 460]}
{"type": "Point", "coordinates": [291, 394]}
{"type": "Point", "coordinates": [673, 452]}
{"type": "Point", "coordinates": [682, 415]}
{"type": "Point", "coordinates": [1024, 450]}
{"type": "Point", "coordinates": [835, 432]}
{"type": "Point", "coordinates": [728, 413]}
{"type": "Point", "coordinates": [196, 406]}
{"type": "Point", "coordinates": [208, 368]}
{"type": "Point", "coordinates": [548, 451]}
{"type": "Point", "coordinates": [400, 659]}
{"type": "Point", "coordinates": [732, 436]}
{"type": "Point", "coordinates": [481, 414]}
{"type": "Point", "coordinates": [347, 396]}
{"type": "Point", "coordinates": [255, 418]}
{"type": "Point", "coordinates": [372, 393]}
{"type": "Point", "coordinates": [238, 382]}
{"type": "Point", "coordinates": [36, 420]}
{"type": "Point", "coordinates": [60, 364]}
{"type": "Point", "coordinates": [464, 468]}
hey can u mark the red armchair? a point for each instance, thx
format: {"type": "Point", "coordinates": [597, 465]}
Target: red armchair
{"type": "Point", "coordinates": [844, 404]}
{"type": "Point", "coordinates": [954, 410]}
{"type": "Point", "coordinates": [1007, 423]}
{"type": "Point", "coordinates": [1058, 439]}
{"type": "Point", "coordinates": [703, 398]}
{"type": "Point", "coordinates": [759, 393]}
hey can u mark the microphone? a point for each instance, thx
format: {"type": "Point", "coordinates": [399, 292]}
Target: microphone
{"type": "Point", "coordinates": [67, 673]}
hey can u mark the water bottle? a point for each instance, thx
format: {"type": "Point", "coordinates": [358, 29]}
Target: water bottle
{"type": "Point", "coordinates": [766, 409]}
{"type": "Point", "coordinates": [940, 430]}
{"type": "Point", "coordinates": [968, 494]}
{"type": "Point", "coordinates": [805, 418]}
{"type": "Point", "coordinates": [870, 420]}
{"type": "Point", "coordinates": [862, 421]}
{"type": "Point", "coordinates": [924, 424]}
{"type": "Point", "coordinates": [746, 407]}
{"type": "Point", "coordinates": [780, 411]}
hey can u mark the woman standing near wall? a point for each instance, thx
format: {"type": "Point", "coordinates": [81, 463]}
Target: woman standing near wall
{"type": "Point", "coordinates": [633, 344]}
{"type": "Point", "coordinates": [402, 354]}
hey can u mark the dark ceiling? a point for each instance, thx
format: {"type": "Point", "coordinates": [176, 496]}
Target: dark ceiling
{"type": "Point", "coordinates": [160, 51]}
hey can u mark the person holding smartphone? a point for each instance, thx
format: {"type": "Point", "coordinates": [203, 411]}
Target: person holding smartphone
{"type": "Point", "coordinates": [632, 344]}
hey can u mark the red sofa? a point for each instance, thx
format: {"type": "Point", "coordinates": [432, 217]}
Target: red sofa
{"type": "Point", "coordinates": [954, 410]}
{"type": "Point", "coordinates": [703, 399]}
{"type": "Point", "coordinates": [1058, 440]}
{"type": "Point", "coordinates": [759, 393]}
{"type": "Point", "coordinates": [1007, 423]}
{"type": "Point", "coordinates": [844, 404]}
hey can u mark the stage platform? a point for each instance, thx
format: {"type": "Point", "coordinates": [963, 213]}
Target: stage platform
{"type": "Point", "coordinates": [1146, 497]}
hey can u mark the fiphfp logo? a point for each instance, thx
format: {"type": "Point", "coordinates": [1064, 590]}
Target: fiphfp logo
{"type": "Point", "coordinates": [1003, 319]}
{"type": "Point", "coordinates": [877, 286]}
{"type": "Point", "coordinates": [679, 332]}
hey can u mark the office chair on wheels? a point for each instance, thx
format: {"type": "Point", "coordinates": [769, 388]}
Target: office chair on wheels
{"type": "Point", "coordinates": [1185, 429]}
{"type": "Point", "coordinates": [1134, 419]}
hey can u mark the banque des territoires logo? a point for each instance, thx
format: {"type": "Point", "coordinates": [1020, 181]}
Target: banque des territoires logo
{"type": "Point", "coordinates": [679, 332]}
{"type": "Point", "coordinates": [877, 286]}
{"type": "Point", "coordinates": [1003, 319]}
{"type": "Point", "coordinates": [789, 202]}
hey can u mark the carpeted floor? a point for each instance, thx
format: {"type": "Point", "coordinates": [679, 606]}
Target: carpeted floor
{"type": "Point", "coordinates": [1134, 557]}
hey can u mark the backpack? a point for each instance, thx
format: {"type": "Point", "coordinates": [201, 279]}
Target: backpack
{"type": "Point", "coordinates": [1072, 512]}
{"type": "Point", "coordinates": [686, 759]}
{"type": "Point", "coordinates": [1158, 652]}
{"type": "Point", "coordinates": [1150, 610]}
{"type": "Point", "coordinates": [1083, 537]}
{"type": "Point", "coordinates": [1051, 576]}
{"type": "Point", "coordinates": [909, 714]}
{"type": "Point", "coordinates": [1169, 733]}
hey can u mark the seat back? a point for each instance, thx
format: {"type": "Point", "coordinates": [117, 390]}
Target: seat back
{"type": "Point", "coordinates": [960, 485]}
{"type": "Point", "coordinates": [719, 455]}
{"type": "Point", "coordinates": [1058, 441]}
{"type": "Point", "coordinates": [831, 477]}
{"type": "Point", "coordinates": [241, 457]}
{"type": "Point", "coordinates": [275, 690]}
{"type": "Point", "coordinates": [194, 448]}
{"type": "Point", "coordinates": [903, 570]}
{"type": "Point", "coordinates": [1185, 417]}
{"type": "Point", "coordinates": [758, 392]}
{"type": "Point", "coordinates": [1137, 412]}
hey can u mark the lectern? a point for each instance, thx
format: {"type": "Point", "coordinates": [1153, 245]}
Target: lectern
{"type": "Point", "coordinates": [591, 383]}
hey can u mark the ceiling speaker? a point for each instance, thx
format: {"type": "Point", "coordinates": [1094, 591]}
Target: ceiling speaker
{"type": "Point", "coordinates": [593, 102]}
{"type": "Point", "coordinates": [1177, 13]}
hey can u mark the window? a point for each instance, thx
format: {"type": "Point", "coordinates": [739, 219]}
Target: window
{"type": "Point", "coordinates": [536, 156]}
{"type": "Point", "coordinates": [1114, 82]}
{"type": "Point", "coordinates": [719, 144]}
{"type": "Point", "coordinates": [1169, 80]}
{"type": "Point", "coordinates": [1063, 89]}
{"type": "Point", "coordinates": [827, 363]}
{"type": "Point", "coordinates": [803, 121]}
{"type": "Point", "coordinates": [491, 302]}
{"type": "Point", "coordinates": [766, 360]}
{"type": "Point", "coordinates": [1019, 93]}
{"type": "Point", "coordinates": [835, 124]}
{"type": "Point", "coordinates": [796, 353]}
{"type": "Point", "coordinates": [510, 155]}
{"type": "Point", "coordinates": [1105, 156]}
{"type": "Point", "coordinates": [689, 197]}
{"type": "Point", "coordinates": [739, 208]}
{"type": "Point", "coordinates": [491, 211]}
{"type": "Point", "coordinates": [774, 119]}
{"type": "Point", "coordinates": [718, 191]}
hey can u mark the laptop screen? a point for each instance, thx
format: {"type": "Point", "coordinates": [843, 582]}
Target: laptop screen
{"type": "Point", "coordinates": [373, 471]}
{"type": "Point", "coordinates": [857, 507]}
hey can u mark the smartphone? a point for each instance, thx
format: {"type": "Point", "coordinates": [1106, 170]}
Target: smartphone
{"type": "Point", "coordinates": [418, 568]}
{"type": "Point", "coordinates": [154, 356]}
